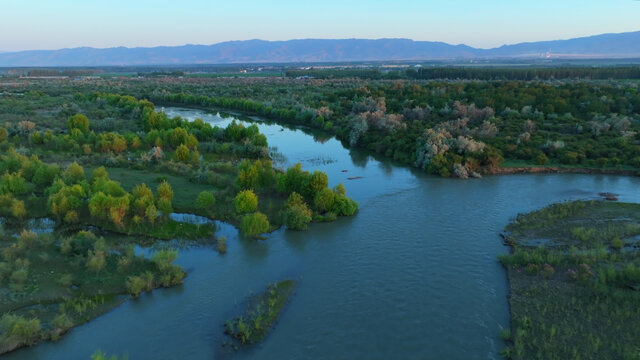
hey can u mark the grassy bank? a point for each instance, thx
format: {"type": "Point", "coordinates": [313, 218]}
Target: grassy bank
{"type": "Point", "coordinates": [574, 277]}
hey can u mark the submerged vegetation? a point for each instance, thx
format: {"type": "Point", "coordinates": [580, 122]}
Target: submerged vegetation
{"type": "Point", "coordinates": [262, 312]}
{"type": "Point", "coordinates": [574, 275]}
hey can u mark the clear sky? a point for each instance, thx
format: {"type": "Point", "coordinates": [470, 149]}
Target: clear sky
{"type": "Point", "coordinates": [54, 24]}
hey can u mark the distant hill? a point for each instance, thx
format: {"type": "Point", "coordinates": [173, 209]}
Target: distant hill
{"type": "Point", "coordinates": [622, 45]}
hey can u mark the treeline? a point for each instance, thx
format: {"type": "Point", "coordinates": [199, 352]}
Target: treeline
{"type": "Point", "coordinates": [472, 73]}
{"type": "Point", "coordinates": [63, 72]}
{"type": "Point", "coordinates": [370, 74]}
{"type": "Point", "coordinates": [594, 73]}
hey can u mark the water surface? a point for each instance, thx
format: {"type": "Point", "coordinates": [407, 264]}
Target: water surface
{"type": "Point", "coordinates": [413, 275]}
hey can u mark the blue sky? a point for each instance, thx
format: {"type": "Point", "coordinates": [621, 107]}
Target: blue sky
{"type": "Point", "coordinates": [49, 24]}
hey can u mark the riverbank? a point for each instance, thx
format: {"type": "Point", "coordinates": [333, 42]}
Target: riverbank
{"type": "Point", "coordinates": [508, 170]}
{"type": "Point", "coordinates": [574, 278]}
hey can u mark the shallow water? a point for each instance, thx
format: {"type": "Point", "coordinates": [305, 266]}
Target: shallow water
{"type": "Point", "coordinates": [413, 275]}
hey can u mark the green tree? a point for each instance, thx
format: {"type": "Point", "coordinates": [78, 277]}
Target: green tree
{"type": "Point", "coordinates": [541, 159]}
{"type": "Point", "coordinates": [247, 175]}
{"type": "Point", "coordinates": [18, 210]}
{"type": "Point", "coordinates": [245, 202]}
{"type": "Point", "coordinates": [182, 153]}
{"type": "Point", "coordinates": [324, 199]}
{"type": "Point", "coordinates": [343, 206]}
{"type": "Point", "coordinates": [13, 184]}
{"type": "Point", "coordinates": [99, 173]}
{"type": "Point", "coordinates": [319, 181]}
{"type": "Point", "coordinates": [73, 174]}
{"type": "Point", "coordinates": [3, 134]}
{"type": "Point", "coordinates": [80, 122]}
{"type": "Point", "coordinates": [165, 198]}
{"type": "Point", "coordinates": [254, 224]}
{"type": "Point", "coordinates": [96, 261]}
{"type": "Point", "coordinates": [297, 214]}
{"type": "Point", "coordinates": [205, 200]}
{"type": "Point", "coordinates": [178, 137]}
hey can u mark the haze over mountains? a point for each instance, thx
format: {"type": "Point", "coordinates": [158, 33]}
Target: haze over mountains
{"type": "Point", "coordinates": [623, 45]}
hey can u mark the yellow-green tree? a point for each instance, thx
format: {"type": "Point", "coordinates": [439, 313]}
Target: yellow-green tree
{"type": "Point", "coordinates": [80, 122]}
{"type": "Point", "coordinates": [245, 202]}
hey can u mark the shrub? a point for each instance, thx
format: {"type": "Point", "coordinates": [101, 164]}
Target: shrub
{"type": "Point", "coordinates": [222, 245]}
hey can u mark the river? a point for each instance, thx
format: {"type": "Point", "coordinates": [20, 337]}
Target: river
{"type": "Point", "coordinates": [413, 275]}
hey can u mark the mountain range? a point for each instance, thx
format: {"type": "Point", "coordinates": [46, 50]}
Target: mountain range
{"type": "Point", "coordinates": [621, 45]}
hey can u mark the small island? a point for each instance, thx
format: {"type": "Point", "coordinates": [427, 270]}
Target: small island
{"type": "Point", "coordinates": [262, 311]}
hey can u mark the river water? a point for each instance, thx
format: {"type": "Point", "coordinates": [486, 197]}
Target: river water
{"type": "Point", "coordinates": [413, 275]}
